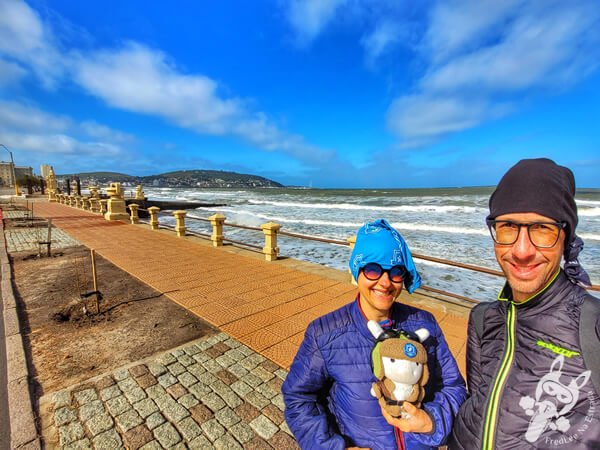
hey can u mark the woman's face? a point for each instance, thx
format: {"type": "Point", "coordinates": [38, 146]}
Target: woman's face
{"type": "Point", "coordinates": [377, 297]}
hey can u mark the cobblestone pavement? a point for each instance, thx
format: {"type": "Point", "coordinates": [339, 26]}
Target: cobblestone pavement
{"type": "Point", "coordinates": [15, 214]}
{"type": "Point", "coordinates": [210, 393]}
{"type": "Point", "coordinates": [26, 239]}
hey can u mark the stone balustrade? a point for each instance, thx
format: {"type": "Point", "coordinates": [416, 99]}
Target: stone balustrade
{"type": "Point", "coordinates": [92, 203]}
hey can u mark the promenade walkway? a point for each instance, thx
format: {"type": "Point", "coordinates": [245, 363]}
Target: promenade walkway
{"type": "Point", "coordinates": [265, 305]}
{"type": "Point", "coordinates": [221, 391]}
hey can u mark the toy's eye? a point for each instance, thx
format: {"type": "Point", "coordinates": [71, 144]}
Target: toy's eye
{"type": "Point", "coordinates": [392, 360]}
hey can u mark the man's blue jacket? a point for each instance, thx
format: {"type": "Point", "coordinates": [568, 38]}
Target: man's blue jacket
{"type": "Point", "coordinates": [327, 392]}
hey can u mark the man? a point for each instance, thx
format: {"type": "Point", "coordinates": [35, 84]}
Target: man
{"type": "Point", "coordinates": [528, 368]}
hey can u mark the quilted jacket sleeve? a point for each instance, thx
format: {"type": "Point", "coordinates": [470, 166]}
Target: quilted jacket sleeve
{"type": "Point", "coordinates": [473, 352]}
{"type": "Point", "coordinates": [304, 392]}
{"type": "Point", "coordinates": [444, 393]}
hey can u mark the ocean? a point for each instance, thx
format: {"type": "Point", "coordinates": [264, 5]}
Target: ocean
{"type": "Point", "coordinates": [443, 223]}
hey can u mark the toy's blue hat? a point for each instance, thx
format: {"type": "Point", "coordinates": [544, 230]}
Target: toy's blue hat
{"type": "Point", "coordinates": [378, 242]}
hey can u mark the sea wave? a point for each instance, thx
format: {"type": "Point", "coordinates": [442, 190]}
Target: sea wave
{"type": "Point", "coordinates": [589, 212]}
{"type": "Point", "coordinates": [356, 225]}
{"type": "Point", "coordinates": [355, 207]}
{"type": "Point", "coordinates": [587, 202]}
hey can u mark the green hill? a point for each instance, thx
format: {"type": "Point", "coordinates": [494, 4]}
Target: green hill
{"type": "Point", "coordinates": [180, 178]}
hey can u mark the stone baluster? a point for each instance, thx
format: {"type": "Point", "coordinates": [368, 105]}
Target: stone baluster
{"type": "Point", "coordinates": [180, 227]}
{"type": "Point", "coordinates": [351, 243]}
{"type": "Point", "coordinates": [270, 250]}
{"type": "Point", "coordinates": [153, 211]}
{"type": "Point", "coordinates": [94, 204]}
{"type": "Point", "coordinates": [217, 220]}
{"type": "Point", "coordinates": [134, 213]}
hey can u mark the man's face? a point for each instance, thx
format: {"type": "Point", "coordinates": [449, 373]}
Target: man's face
{"type": "Point", "coordinates": [528, 268]}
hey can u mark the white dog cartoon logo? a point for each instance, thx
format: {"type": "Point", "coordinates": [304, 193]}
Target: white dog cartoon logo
{"type": "Point", "coordinates": [553, 400]}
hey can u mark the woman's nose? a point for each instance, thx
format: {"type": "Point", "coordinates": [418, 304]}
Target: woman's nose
{"type": "Point", "coordinates": [385, 279]}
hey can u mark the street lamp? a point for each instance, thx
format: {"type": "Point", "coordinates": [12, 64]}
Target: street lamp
{"type": "Point", "coordinates": [13, 169]}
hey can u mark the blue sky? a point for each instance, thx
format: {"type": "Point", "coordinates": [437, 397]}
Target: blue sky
{"type": "Point", "coordinates": [328, 93]}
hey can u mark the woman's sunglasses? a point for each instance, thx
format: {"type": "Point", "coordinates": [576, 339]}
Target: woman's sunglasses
{"type": "Point", "coordinates": [373, 272]}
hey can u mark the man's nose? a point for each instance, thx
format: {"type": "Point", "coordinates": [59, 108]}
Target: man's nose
{"type": "Point", "coordinates": [523, 249]}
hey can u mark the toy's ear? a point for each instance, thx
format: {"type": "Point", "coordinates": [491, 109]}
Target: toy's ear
{"type": "Point", "coordinates": [425, 375]}
{"type": "Point", "coordinates": [376, 360]}
{"type": "Point", "coordinates": [374, 328]}
{"type": "Point", "coordinates": [422, 333]}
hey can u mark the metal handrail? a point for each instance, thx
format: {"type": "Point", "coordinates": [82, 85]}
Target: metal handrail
{"type": "Point", "coordinates": [313, 238]}
{"type": "Point", "coordinates": [443, 261]}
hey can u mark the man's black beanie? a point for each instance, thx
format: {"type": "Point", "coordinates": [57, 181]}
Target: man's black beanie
{"type": "Point", "coordinates": [538, 186]}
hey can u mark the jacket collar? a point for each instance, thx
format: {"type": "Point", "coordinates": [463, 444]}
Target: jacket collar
{"type": "Point", "coordinates": [360, 320]}
{"type": "Point", "coordinates": [548, 292]}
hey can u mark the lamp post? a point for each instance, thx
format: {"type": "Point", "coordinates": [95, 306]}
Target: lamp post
{"type": "Point", "coordinates": [13, 169]}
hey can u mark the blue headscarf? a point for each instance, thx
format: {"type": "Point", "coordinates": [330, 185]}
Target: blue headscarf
{"type": "Point", "coordinates": [378, 242]}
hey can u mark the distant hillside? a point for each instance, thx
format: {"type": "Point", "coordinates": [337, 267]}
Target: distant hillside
{"type": "Point", "coordinates": [181, 178]}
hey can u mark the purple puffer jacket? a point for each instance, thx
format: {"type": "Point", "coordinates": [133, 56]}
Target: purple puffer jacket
{"type": "Point", "coordinates": [327, 392]}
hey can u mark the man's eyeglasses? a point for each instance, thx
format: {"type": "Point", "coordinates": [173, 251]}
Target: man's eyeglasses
{"type": "Point", "coordinates": [541, 234]}
{"type": "Point", "coordinates": [373, 272]}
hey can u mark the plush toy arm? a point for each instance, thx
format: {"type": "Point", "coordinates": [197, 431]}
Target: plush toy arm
{"type": "Point", "coordinates": [376, 390]}
{"type": "Point", "coordinates": [374, 328]}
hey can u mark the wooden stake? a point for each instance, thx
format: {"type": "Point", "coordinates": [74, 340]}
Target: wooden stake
{"type": "Point", "coordinates": [93, 252]}
{"type": "Point", "coordinates": [49, 240]}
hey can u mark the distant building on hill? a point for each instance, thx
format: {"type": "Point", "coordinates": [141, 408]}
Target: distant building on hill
{"type": "Point", "coordinates": [22, 171]}
{"type": "Point", "coordinates": [6, 173]}
{"type": "Point", "coordinates": [45, 170]}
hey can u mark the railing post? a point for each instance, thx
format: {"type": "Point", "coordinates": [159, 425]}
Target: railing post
{"type": "Point", "coordinates": [217, 220]}
{"type": "Point", "coordinates": [270, 250]}
{"type": "Point", "coordinates": [94, 205]}
{"type": "Point", "coordinates": [180, 222]}
{"type": "Point", "coordinates": [86, 203]}
{"type": "Point", "coordinates": [351, 243]}
{"type": "Point", "coordinates": [134, 213]}
{"type": "Point", "coordinates": [103, 206]}
{"type": "Point", "coordinates": [153, 211]}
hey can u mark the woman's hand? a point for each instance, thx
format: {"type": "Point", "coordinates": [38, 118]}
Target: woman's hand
{"type": "Point", "coordinates": [419, 421]}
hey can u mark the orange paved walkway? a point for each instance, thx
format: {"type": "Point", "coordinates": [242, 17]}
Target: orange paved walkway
{"type": "Point", "coordinates": [265, 305]}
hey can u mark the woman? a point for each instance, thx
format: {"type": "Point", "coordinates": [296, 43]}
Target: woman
{"type": "Point", "coordinates": [327, 392]}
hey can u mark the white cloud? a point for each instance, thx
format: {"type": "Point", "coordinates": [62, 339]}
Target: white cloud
{"type": "Point", "coordinates": [459, 25]}
{"type": "Point", "coordinates": [25, 38]}
{"type": "Point", "coordinates": [10, 72]}
{"type": "Point", "coordinates": [141, 80]}
{"type": "Point", "coordinates": [309, 17]}
{"type": "Point", "coordinates": [385, 35]}
{"type": "Point", "coordinates": [99, 131]}
{"type": "Point", "coordinates": [14, 115]}
{"type": "Point", "coordinates": [478, 73]}
{"type": "Point", "coordinates": [57, 143]}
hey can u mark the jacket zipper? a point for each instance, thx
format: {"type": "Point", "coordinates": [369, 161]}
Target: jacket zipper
{"type": "Point", "coordinates": [399, 439]}
{"type": "Point", "coordinates": [491, 417]}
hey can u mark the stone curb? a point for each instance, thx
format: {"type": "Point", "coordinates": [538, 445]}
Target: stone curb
{"type": "Point", "coordinates": [23, 432]}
